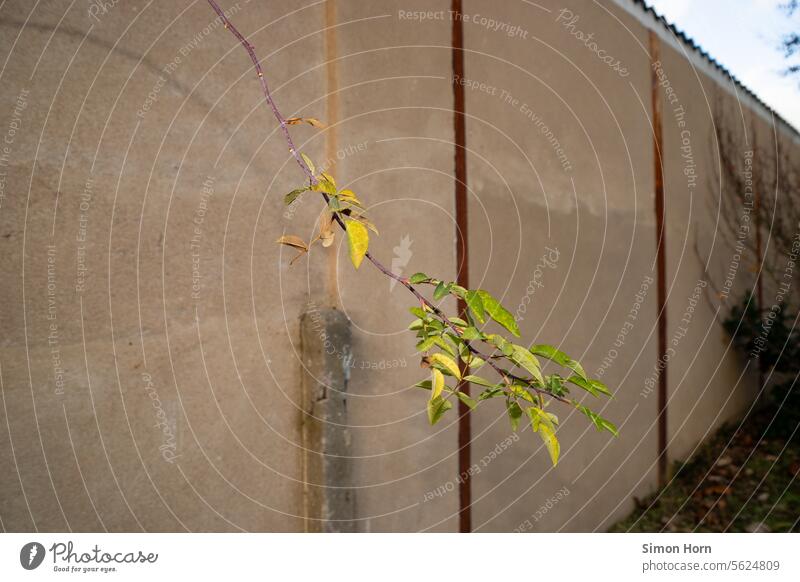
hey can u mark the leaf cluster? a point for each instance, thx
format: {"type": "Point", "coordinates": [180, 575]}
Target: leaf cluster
{"type": "Point", "coordinates": [457, 349]}
{"type": "Point", "coordinates": [515, 373]}
{"type": "Point", "coordinates": [343, 206]}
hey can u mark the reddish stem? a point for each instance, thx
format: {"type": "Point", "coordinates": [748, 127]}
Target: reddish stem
{"type": "Point", "coordinates": [313, 179]}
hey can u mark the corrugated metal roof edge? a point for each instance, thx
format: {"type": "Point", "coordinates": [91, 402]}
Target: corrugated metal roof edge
{"type": "Point", "coordinates": [676, 33]}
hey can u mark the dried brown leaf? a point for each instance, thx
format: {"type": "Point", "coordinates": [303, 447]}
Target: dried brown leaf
{"type": "Point", "coordinates": [326, 231]}
{"type": "Point", "coordinates": [293, 241]}
{"type": "Point", "coordinates": [312, 121]}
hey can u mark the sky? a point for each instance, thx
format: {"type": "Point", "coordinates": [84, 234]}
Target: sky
{"type": "Point", "coordinates": [744, 36]}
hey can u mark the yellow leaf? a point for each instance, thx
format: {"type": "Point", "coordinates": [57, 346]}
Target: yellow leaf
{"type": "Point", "coordinates": [330, 179]}
{"type": "Point", "coordinates": [437, 383]}
{"type": "Point", "coordinates": [291, 240]}
{"type": "Point", "coordinates": [551, 442]}
{"type": "Point", "coordinates": [358, 241]}
{"type": "Point", "coordinates": [309, 163]}
{"type": "Point", "coordinates": [447, 363]}
{"type": "Point", "coordinates": [349, 196]}
{"type": "Point", "coordinates": [363, 219]}
{"type": "Point", "coordinates": [324, 186]}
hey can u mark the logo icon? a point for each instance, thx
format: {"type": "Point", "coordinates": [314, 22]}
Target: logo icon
{"type": "Point", "coordinates": [31, 555]}
{"type": "Point", "coordinates": [402, 255]}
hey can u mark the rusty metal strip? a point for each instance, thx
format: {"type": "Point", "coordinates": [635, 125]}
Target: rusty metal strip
{"type": "Point", "coordinates": [661, 259]}
{"type": "Point", "coordinates": [462, 259]}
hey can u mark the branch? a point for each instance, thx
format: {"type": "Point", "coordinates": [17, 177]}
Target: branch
{"type": "Point", "coordinates": [505, 374]}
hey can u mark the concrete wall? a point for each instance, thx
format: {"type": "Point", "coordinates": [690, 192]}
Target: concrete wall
{"type": "Point", "coordinates": [596, 210]}
{"type": "Point", "coordinates": [151, 362]}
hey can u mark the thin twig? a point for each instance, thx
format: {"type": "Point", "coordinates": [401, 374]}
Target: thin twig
{"type": "Point", "coordinates": [505, 374]}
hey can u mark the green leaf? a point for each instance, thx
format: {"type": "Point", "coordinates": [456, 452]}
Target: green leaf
{"type": "Point", "coordinates": [497, 312]}
{"type": "Point", "coordinates": [439, 341]}
{"type": "Point", "coordinates": [501, 343]}
{"type": "Point", "coordinates": [419, 312]}
{"type": "Point", "coordinates": [544, 423]}
{"type": "Point", "coordinates": [456, 341]}
{"type": "Point", "coordinates": [442, 290]}
{"type": "Point", "coordinates": [559, 358]}
{"type": "Point", "coordinates": [599, 422]}
{"type": "Point", "coordinates": [415, 325]}
{"type": "Point", "coordinates": [474, 362]}
{"type": "Point", "coordinates": [520, 391]}
{"type": "Point", "coordinates": [539, 417]}
{"type": "Point", "coordinates": [426, 344]}
{"type": "Point", "coordinates": [418, 278]}
{"type": "Point", "coordinates": [436, 409]}
{"type": "Point", "coordinates": [458, 321]}
{"type": "Point", "coordinates": [491, 393]}
{"type": "Point", "coordinates": [436, 324]}
{"type": "Point", "coordinates": [593, 387]}
{"type": "Point", "coordinates": [425, 385]}
{"type": "Point", "coordinates": [333, 204]}
{"type": "Point", "coordinates": [475, 304]}
{"type": "Point", "coordinates": [524, 358]}
{"type": "Point", "coordinates": [514, 413]}
{"type": "Point", "coordinates": [446, 364]}
{"type": "Point", "coordinates": [479, 381]}
{"type": "Point", "coordinates": [292, 196]}
{"type": "Point", "coordinates": [358, 241]}
{"type": "Point", "coordinates": [309, 163]}
{"type": "Point", "coordinates": [467, 400]}
{"type": "Point", "coordinates": [437, 383]}
{"type": "Point", "coordinates": [600, 387]}
{"type": "Point", "coordinates": [555, 384]}
{"type": "Point", "coordinates": [609, 426]}
{"type": "Point", "coordinates": [470, 333]}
